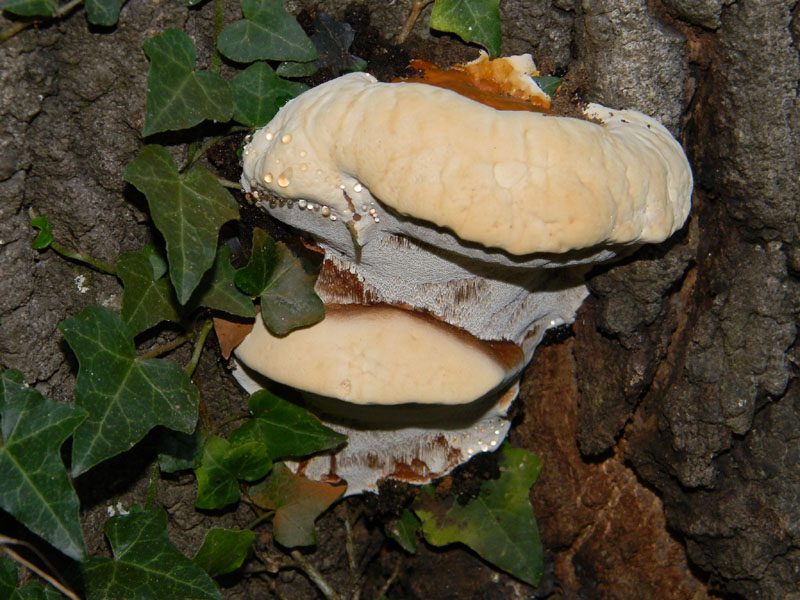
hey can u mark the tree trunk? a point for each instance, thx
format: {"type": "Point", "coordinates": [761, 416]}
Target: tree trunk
{"type": "Point", "coordinates": [668, 420]}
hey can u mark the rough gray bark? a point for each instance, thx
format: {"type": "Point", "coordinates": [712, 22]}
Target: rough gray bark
{"type": "Point", "coordinates": [692, 360]}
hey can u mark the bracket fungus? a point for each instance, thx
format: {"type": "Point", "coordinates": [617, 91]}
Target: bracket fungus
{"type": "Point", "coordinates": [454, 235]}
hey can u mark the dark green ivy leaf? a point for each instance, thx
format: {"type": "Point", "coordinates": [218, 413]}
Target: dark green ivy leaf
{"type": "Point", "coordinates": [332, 40]}
{"type": "Point", "coordinates": [403, 530]}
{"type": "Point", "coordinates": [146, 566]}
{"type": "Point", "coordinates": [103, 12]}
{"type": "Point", "coordinates": [224, 550]}
{"type": "Point", "coordinates": [253, 278]}
{"type": "Point", "coordinates": [147, 300]}
{"type": "Point", "coordinates": [156, 259]}
{"type": "Point", "coordinates": [31, 8]}
{"type": "Point", "coordinates": [258, 93]}
{"type": "Point", "coordinates": [472, 20]}
{"type": "Point", "coordinates": [549, 85]}
{"type": "Point", "coordinates": [267, 32]}
{"type": "Point", "coordinates": [218, 290]}
{"type": "Point", "coordinates": [499, 524]}
{"type": "Point", "coordinates": [222, 465]}
{"type": "Point", "coordinates": [180, 451]}
{"type": "Point", "coordinates": [8, 578]}
{"type": "Point", "coordinates": [32, 591]}
{"type": "Point", "coordinates": [286, 429]}
{"type": "Point", "coordinates": [178, 97]}
{"type": "Point", "coordinates": [35, 488]}
{"type": "Point", "coordinates": [125, 396]}
{"type": "Point", "coordinates": [289, 301]}
{"type": "Point", "coordinates": [187, 208]}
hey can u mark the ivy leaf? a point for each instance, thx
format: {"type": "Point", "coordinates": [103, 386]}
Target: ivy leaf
{"type": "Point", "coordinates": [286, 429]}
{"type": "Point", "coordinates": [146, 566]}
{"type": "Point", "coordinates": [222, 465]}
{"type": "Point", "coordinates": [31, 8]}
{"type": "Point", "coordinates": [8, 578]}
{"type": "Point", "coordinates": [103, 12]}
{"type": "Point", "coordinates": [32, 591]}
{"type": "Point", "coordinates": [499, 524]}
{"type": "Point", "coordinates": [178, 97]}
{"type": "Point", "coordinates": [157, 260]}
{"type": "Point", "coordinates": [258, 93]}
{"type": "Point", "coordinates": [180, 451]}
{"type": "Point", "coordinates": [548, 84]}
{"type": "Point", "coordinates": [404, 531]}
{"type": "Point", "coordinates": [332, 40]}
{"type": "Point", "coordinates": [187, 208]}
{"type": "Point", "coordinates": [472, 20]}
{"type": "Point", "coordinates": [218, 290]}
{"type": "Point", "coordinates": [297, 503]}
{"type": "Point", "coordinates": [267, 32]}
{"type": "Point", "coordinates": [125, 396]}
{"type": "Point", "coordinates": [44, 238]}
{"type": "Point", "coordinates": [253, 277]}
{"type": "Point", "coordinates": [35, 487]}
{"type": "Point", "coordinates": [147, 299]}
{"type": "Point", "coordinates": [288, 300]}
{"type": "Point", "coordinates": [224, 550]}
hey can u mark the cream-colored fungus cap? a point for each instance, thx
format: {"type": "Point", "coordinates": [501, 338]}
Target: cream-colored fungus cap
{"type": "Point", "coordinates": [523, 182]}
{"type": "Point", "coordinates": [381, 355]}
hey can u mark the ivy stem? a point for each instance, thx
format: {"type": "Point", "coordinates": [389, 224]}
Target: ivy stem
{"type": "Point", "coordinates": [196, 152]}
{"type": "Point", "coordinates": [81, 257]}
{"type": "Point", "coordinates": [234, 418]}
{"type": "Point", "coordinates": [258, 520]}
{"type": "Point", "coordinates": [62, 11]}
{"type": "Point", "coordinates": [198, 347]}
{"type": "Point", "coordinates": [416, 9]}
{"type": "Point", "coordinates": [229, 184]}
{"type": "Point", "coordinates": [315, 576]}
{"type": "Point", "coordinates": [219, 23]}
{"type": "Point", "coordinates": [76, 255]}
{"type": "Point", "coordinates": [155, 352]}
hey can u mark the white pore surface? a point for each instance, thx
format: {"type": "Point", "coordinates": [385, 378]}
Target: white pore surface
{"type": "Point", "coordinates": [427, 450]}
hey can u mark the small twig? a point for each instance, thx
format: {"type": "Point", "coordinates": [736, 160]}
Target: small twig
{"type": "Point", "coordinates": [168, 347]}
{"type": "Point", "coordinates": [416, 9]}
{"type": "Point", "coordinates": [198, 347]}
{"type": "Point", "coordinates": [390, 581]}
{"type": "Point", "coordinates": [274, 588]}
{"type": "Point", "coordinates": [315, 576]}
{"type": "Point", "coordinates": [62, 12]}
{"type": "Point", "coordinates": [5, 541]}
{"type": "Point", "coordinates": [350, 547]}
